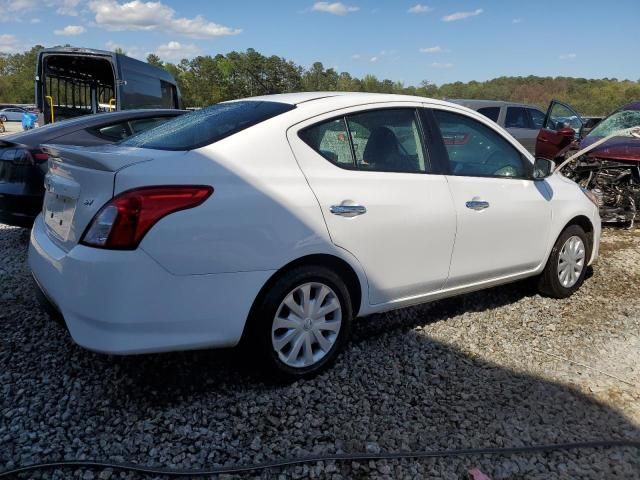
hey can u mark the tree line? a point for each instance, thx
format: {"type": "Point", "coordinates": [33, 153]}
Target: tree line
{"type": "Point", "coordinates": [207, 79]}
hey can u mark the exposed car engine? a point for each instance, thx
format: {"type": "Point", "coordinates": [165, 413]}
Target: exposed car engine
{"type": "Point", "coordinates": [615, 184]}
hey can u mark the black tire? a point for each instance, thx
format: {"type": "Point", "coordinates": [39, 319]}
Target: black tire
{"type": "Point", "coordinates": [3, 118]}
{"type": "Point", "coordinates": [549, 283]}
{"type": "Point", "coordinates": [260, 325]}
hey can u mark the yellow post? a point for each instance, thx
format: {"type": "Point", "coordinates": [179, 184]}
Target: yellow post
{"type": "Point", "coordinates": [112, 104]}
{"type": "Point", "coordinates": [50, 99]}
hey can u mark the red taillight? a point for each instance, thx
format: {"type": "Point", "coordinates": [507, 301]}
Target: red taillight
{"type": "Point", "coordinates": [39, 157]}
{"type": "Point", "coordinates": [126, 218]}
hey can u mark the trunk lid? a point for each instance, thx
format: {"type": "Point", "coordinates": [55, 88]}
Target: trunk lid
{"type": "Point", "coordinates": [79, 182]}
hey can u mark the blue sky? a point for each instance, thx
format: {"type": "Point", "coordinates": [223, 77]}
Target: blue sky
{"type": "Point", "coordinates": [407, 41]}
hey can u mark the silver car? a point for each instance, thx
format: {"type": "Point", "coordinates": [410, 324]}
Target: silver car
{"type": "Point", "coordinates": [12, 114]}
{"type": "Point", "coordinates": [520, 120]}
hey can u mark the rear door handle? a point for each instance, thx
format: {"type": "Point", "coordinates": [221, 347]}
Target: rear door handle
{"type": "Point", "coordinates": [348, 210]}
{"type": "Point", "coordinates": [477, 204]}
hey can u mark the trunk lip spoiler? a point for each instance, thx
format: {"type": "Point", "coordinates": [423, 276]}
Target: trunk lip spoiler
{"type": "Point", "coordinates": [93, 159]}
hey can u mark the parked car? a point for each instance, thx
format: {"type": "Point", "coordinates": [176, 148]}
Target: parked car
{"type": "Point", "coordinates": [12, 114]}
{"type": "Point", "coordinates": [23, 164]}
{"type": "Point", "coordinates": [276, 220]}
{"type": "Point", "coordinates": [520, 120]}
{"type": "Point", "coordinates": [612, 170]}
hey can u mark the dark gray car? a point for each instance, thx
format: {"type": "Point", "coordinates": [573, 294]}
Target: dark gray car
{"type": "Point", "coordinates": [520, 120]}
{"type": "Point", "coordinates": [23, 165]}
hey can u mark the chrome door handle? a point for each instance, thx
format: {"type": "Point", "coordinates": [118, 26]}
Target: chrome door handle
{"type": "Point", "coordinates": [348, 210]}
{"type": "Point", "coordinates": [477, 204]}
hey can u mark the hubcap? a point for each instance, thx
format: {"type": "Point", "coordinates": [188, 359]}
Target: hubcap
{"type": "Point", "coordinates": [571, 261]}
{"type": "Point", "coordinates": [306, 325]}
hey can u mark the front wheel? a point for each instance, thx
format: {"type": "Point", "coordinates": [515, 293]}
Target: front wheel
{"type": "Point", "coordinates": [567, 264]}
{"type": "Point", "coordinates": [3, 118]}
{"type": "Point", "coordinates": [303, 322]}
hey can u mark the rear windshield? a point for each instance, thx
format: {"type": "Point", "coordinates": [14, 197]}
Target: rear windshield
{"type": "Point", "coordinates": [206, 126]}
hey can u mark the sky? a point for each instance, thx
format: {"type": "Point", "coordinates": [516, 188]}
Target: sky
{"type": "Point", "coordinates": [404, 41]}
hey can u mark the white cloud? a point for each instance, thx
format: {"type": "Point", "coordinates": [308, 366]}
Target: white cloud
{"type": "Point", "coordinates": [516, 20]}
{"type": "Point", "coordinates": [356, 56]}
{"type": "Point", "coordinates": [35, 20]}
{"type": "Point", "coordinates": [19, 7]}
{"type": "Point", "coordinates": [436, 49]}
{"type": "Point", "coordinates": [336, 8]}
{"type": "Point", "coordinates": [139, 15]}
{"type": "Point", "coordinates": [373, 59]}
{"type": "Point", "coordinates": [8, 43]}
{"type": "Point", "coordinates": [135, 52]}
{"type": "Point", "coordinates": [68, 7]}
{"type": "Point", "coordinates": [174, 51]}
{"type": "Point", "coordinates": [567, 56]}
{"type": "Point", "coordinates": [442, 65]}
{"type": "Point", "coordinates": [419, 8]}
{"type": "Point", "coordinates": [71, 30]}
{"type": "Point", "coordinates": [452, 17]}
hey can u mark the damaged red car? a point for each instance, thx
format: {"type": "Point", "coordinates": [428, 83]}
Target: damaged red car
{"type": "Point", "coordinates": [611, 171]}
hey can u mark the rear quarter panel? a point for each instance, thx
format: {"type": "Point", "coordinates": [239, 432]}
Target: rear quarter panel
{"type": "Point", "coordinates": [261, 216]}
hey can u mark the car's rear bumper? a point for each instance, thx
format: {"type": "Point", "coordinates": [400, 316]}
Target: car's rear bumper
{"type": "Point", "coordinates": [123, 302]}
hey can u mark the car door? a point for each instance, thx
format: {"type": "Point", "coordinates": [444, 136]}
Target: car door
{"type": "Point", "coordinates": [503, 217]}
{"type": "Point", "coordinates": [381, 196]}
{"type": "Point", "coordinates": [561, 126]}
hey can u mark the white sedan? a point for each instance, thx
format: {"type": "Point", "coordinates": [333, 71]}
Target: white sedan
{"type": "Point", "coordinates": [276, 220]}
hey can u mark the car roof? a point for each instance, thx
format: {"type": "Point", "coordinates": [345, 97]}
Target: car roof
{"type": "Point", "coordinates": [631, 106]}
{"type": "Point", "coordinates": [345, 98]}
{"type": "Point", "coordinates": [470, 102]}
{"type": "Point", "coordinates": [51, 131]}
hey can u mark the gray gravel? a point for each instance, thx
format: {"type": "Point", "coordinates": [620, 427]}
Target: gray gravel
{"type": "Point", "coordinates": [503, 367]}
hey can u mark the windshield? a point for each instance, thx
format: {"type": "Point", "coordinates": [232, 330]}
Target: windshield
{"type": "Point", "coordinates": [206, 126]}
{"type": "Point", "coordinates": [616, 121]}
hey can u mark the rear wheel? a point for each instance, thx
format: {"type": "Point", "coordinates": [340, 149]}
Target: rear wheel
{"type": "Point", "coordinates": [303, 322]}
{"type": "Point", "coordinates": [3, 118]}
{"type": "Point", "coordinates": [567, 264]}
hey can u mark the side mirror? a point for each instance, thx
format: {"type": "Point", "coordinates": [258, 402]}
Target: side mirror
{"type": "Point", "coordinates": [542, 168]}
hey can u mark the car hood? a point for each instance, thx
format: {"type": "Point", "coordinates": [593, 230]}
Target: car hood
{"type": "Point", "coordinates": [618, 148]}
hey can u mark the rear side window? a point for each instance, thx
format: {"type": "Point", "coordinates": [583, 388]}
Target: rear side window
{"type": "Point", "coordinates": [115, 131]}
{"type": "Point", "coordinates": [492, 113]}
{"type": "Point", "coordinates": [207, 126]}
{"type": "Point", "coordinates": [537, 118]}
{"type": "Point", "coordinates": [143, 124]}
{"type": "Point", "coordinates": [387, 140]}
{"type": "Point", "coordinates": [516, 118]}
{"type": "Point", "coordinates": [331, 140]}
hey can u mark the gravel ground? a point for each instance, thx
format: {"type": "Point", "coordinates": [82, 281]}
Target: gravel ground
{"type": "Point", "coordinates": [503, 367]}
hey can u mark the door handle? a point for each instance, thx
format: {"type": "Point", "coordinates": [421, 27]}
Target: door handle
{"type": "Point", "coordinates": [477, 204]}
{"type": "Point", "coordinates": [348, 210]}
{"type": "Point", "coordinates": [542, 139]}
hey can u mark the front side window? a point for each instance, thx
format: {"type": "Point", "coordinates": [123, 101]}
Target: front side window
{"type": "Point", "coordinates": [208, 125]}
{"type": "Point", "coordinates": [561, 117]}
{"type": "Point", "coordinates": [491, 113]}
{"type": "Point", "coordinates": [387, 140]}
{"type": "Point", "coordinates": [476, 150]}
{"type": "Point", "coordinates": [516, 118]}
